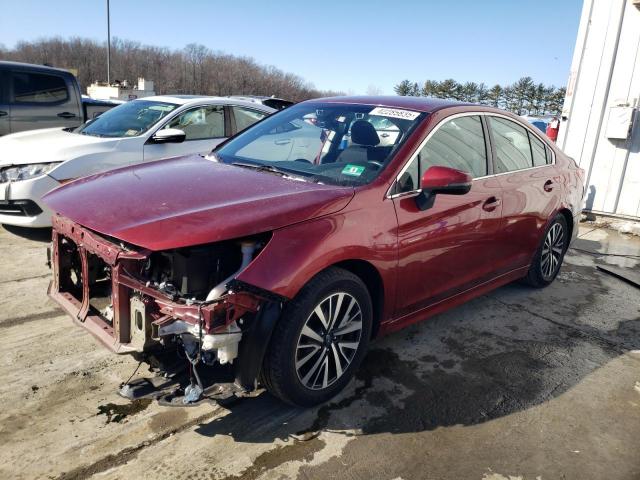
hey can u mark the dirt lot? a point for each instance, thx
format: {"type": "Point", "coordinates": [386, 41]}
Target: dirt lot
{"type": "Point", "coordinates": [518, 384]}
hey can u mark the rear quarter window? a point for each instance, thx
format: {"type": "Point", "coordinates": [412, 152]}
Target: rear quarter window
{"type": "Point", "coordinates": [539, 151]}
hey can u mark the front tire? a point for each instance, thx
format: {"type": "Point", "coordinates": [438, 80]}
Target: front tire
{"type": "Point", "coordinates": [320, 340]}
{"type": "Point", "coordinates": [550, 254]}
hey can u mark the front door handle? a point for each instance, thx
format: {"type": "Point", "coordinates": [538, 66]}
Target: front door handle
{"type": "Point", "coordinates": [3, 114]}
{"type": "Point", "coordinates": [491, 204]}
{"type": "Point", "coordinates": [67, 115]}
{"type": "Point", "coordinates": [548, 185]}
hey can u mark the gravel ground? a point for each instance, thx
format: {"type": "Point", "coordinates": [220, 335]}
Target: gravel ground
{"type": "Point", "coordinates": [517, 384]}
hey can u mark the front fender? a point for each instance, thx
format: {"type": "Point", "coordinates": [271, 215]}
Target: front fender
{"type": "Point", "coordinates": [297, 253]}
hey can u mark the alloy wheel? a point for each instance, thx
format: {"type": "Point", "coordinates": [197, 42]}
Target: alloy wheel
{"type": "Point", "coordinates": [328, 341]}
{"type": "Point", "coordinates": [552, 251]}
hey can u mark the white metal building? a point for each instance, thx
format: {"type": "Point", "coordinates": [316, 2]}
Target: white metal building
{"type": "Point", "coordinates": [121, 90]}
{"type": "Point", "coordinates": [600, 125]}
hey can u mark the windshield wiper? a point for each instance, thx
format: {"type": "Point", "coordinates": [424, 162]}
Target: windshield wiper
{"type": "Point", "coordinates": [263, 168]}
{"type": "Point", "coordinates": [277, 171]}
{"type": "Point", "coordinates": [91, 134]}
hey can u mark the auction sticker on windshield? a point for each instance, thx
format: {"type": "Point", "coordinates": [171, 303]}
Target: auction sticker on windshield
{"type": "Point", "coordinates": [353, 170]}
{"type": "Point", "coordinates": [394, 113]}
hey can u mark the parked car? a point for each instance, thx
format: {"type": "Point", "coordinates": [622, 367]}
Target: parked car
{"type": "Point", "coordinates": [539, 122]}
{"type": "Point", "coordinates": [289, 267]}
{"type": "Point", "coordinates": [32, 163]}
{"type": "Point", "coordinates": [273, 102]}
{"type": "Point", "coordinates": [36, 96]}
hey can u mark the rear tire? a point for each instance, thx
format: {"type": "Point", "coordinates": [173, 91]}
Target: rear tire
{"type": "Point", "coordinates": [550, 254]}
{"type": "Point", "coordinates": [320, 339]}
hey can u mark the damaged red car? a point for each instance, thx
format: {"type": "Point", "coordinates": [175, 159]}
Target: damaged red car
{"type": "Point", "coordinates": [293, 244]}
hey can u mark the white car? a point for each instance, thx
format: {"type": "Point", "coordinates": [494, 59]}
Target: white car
{"type": "Point", "coordinates": [33, 163]}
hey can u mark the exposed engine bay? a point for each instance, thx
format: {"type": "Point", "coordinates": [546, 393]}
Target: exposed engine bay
{"type": "Point", "coordinates": [185, 299]}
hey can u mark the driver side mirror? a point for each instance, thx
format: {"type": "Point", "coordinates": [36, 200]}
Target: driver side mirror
{"type": "Point", "coordinates": [443, 181]}
{"type": "Point", "coordinates": [168, 135]}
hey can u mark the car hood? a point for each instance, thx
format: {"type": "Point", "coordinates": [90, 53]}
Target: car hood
{"type": "Point", "coordinates": [190, 201]}
{"type": "Point", "coordinates": [49, 145]}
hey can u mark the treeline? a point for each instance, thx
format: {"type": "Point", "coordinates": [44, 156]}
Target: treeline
{"type": "Point", "coordinates": [522, 97]}
{"type": "Point", "coordinates": [195, 69]}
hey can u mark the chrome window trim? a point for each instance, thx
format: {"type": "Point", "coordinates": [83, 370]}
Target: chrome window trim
{"type": "Point", "coordinates": [405, 167]}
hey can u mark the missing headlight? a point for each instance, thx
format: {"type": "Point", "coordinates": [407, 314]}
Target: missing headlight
{"type": "Point", "coordinates": [194, 272]}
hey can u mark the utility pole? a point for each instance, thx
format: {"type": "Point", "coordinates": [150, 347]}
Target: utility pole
{"type": "Point", "coordinates": [108, 45]}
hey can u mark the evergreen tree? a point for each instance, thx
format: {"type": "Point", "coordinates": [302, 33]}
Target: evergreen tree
{"type": "Point", "coordinates": [481, 94]}
{"type": "Point", "coordinates": [522, 97]}
{"type": "Point", "coordinates": [403, 88]}
{"type": "Point", "coordinates": [469, 92]}
{"type": "Point", "coordinates": [430, 89]}
{"type": "Point", "coordinates": [495, 96]}
{"type": "Point", "coordinates": [448, 89]}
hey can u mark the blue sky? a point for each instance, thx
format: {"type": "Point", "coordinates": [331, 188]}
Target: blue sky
{"type": "Point", "coordinates": [340, 45]}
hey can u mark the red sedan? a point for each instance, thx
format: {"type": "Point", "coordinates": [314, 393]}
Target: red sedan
{"type": "Point", "coordinates": [292, 245]}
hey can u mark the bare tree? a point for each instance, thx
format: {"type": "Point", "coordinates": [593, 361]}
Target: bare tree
{"type": "Point", "coordinates": [374, 90]}
{"type": "Point", "coordinates": [195, 69]}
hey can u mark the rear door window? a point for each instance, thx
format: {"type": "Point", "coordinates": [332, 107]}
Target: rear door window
{"type": "Point", "coordinates": [245, 117]}
{"type": "Point", "coordinates": [38, 88]}
{"type": "Point", "coordinates": [513, 151]}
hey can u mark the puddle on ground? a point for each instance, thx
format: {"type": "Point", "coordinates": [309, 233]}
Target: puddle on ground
{"type": "Point", "coordinates": [116, 413]}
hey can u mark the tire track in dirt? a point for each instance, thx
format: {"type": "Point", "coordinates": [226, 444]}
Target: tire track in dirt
{"type": "Point", "coordinates": [34, 317]}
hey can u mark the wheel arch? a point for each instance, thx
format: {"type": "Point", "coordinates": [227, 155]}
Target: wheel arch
{"type": "Point", "coordinates": [372, 279]}
{"type": "Point", "coordinates": [568, 216]}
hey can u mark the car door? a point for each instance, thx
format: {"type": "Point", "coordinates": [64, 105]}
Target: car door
{"type": "Point", "coordinates": [5, 108]}
{"type": "Point", "coordinates": [204, 126]}
{"type": "Point", "coordinates": [527, 175]}
{"type": "Point", "coordinates": [451, 246]}
{"type": "Point", "coordinates": [42, 100]}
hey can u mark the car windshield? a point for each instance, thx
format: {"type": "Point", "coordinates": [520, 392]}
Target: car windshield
{"type": "Point", "coordinates": [127, 120]}
{"type": "Point", "coordinates": [333, 143]}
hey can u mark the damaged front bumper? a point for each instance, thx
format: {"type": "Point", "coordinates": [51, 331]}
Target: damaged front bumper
{"type": "Point", "coordinates": [141, 316]}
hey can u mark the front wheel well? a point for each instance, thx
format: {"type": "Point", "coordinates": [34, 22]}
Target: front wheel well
{"type": "Point", "coordinates": [373, 281]}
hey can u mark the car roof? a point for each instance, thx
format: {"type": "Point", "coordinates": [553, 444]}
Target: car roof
{"type": "Point", "coordinates": [199, 99]}
{"type": "Point", "coordinates": [255, 97]}
{"type": "Point", "coordinates": [420, 104]}
{"type": "Point", "coordinates": [180, 99]}
{"type": "Point", "coordinates": [44, 68]}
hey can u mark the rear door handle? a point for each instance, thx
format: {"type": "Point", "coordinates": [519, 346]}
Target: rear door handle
{"type": "Point", "coordinates": [548, 185]}
{"type": "Point", "coordinates": [67, 115]}
{"type": "Point", "coordinates": [491, 204]}
{"type": "Point", "coordinates": [282, 142]}
{"type": "Point", "coordinates": [3, 114]}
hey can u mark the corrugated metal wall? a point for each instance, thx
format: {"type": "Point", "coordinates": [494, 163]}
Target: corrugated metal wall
{"type": "Point", "coordinates": [605, 72]}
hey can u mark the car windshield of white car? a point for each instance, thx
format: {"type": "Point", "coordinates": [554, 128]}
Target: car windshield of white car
{"type": "Point", "coordinates": [127, 120]}
{"type": "Point", "coordinates": [333, 143]}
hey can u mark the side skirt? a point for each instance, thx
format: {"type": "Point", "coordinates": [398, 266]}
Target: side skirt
{"type": "Point", "coordinates": [450, 302]}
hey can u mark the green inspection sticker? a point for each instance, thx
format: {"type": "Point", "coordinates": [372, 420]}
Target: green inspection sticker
{"type": "Point", "coordinates": [353, 170]}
